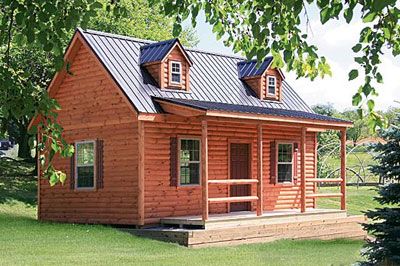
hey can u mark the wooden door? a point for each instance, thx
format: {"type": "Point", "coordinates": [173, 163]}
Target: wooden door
{"type": "Point", "coordinates": [240, 169]}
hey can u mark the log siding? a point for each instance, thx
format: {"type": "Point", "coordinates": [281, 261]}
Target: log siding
{"type": "Point", "coordinates": [90, 103]}
{"type": "Point", "coordinates": [163, 200]}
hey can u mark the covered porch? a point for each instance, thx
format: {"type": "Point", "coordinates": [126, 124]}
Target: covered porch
{"type": "Point", "coordinates": [260, 125]}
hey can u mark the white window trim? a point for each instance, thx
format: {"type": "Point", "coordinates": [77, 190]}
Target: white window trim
{"type": "Point", "coordinates": [94, 165]}
{"type": "Point", "coordinates": [278, 163]}
{"type": "Point", "coordinates": [179, 161]}
{"type": "Point", "coordinates": [271, 94]}
{"type": "Point", "coordinates": [180, 72]}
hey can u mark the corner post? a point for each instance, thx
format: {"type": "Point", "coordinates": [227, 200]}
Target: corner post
{"type": "Point", "coordinates": [141, 173]}
{"type": "Point", "coordinates": [260, 170]}
{"type": "Point", "coordinates": [303, 170]}
{"type": "Point", "coordinates": [204, 169]}
{"type": "Point", "coordinates": [343, 168]}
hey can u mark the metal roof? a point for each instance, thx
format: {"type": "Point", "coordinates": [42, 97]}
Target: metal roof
{"type": "Point", "coordinates": [202, 105]}
{"type": "Point", "coordinates": [213, 77]}
{"type": "Point", "coordinates": [249, 68]}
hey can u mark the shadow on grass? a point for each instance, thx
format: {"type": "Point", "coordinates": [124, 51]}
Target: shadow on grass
{"type": "Point", "coordinates": [17, 181]}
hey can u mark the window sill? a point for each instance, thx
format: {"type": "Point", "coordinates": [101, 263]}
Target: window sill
{"type": "Point", "coordinates": [83, 189]}
{"type": "Point", "coordinates": [189, 186]}
{"type": "Point", "coordinates": [289, 184]}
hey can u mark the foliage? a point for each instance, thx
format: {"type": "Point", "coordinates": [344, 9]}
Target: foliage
{"type": "Point", "coordinates": [140, 20]}
{"type": "Point", "coordinates": [385, 248]}
{"type": "Point", "coordinates": [360, 127]}
{"type": "Point", "coordinates": [259, 28]}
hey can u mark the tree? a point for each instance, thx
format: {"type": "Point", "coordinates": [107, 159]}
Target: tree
{"type": "Point", "coordinates": [385, 225]}
{"type": "Point", "coordinates": [359, 128]}
{"type": "Point", "coordinates": [260, 28]}
{"type": "Point", "coordinates": [33, 35]}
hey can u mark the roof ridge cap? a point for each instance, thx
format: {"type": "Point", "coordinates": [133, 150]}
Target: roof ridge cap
{"type": "Point", "coordinates": [124, 37]}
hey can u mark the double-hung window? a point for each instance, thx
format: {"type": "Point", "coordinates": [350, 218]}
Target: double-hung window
{"type": "Point", "coordinates": [189, 161]}
{"type": "Point", "coordinates": [85, 164]}
{"type": "Point", "coordinates": [176, 71]}
{"type": "Point", "coordinates": [271, 85]}
{"type": "Point", "coordinates": [285, 162]}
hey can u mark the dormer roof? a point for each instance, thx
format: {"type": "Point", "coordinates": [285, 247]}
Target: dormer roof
{"type": "Point", "coordinates": [158, 51]}
{"type": "Point", "coordinates": [249, 69]}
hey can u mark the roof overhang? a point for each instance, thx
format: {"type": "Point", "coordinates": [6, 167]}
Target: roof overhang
{"type": "Point", "coordinates": [190, 111]}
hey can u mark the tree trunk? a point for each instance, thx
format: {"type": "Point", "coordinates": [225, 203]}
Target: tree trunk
{"type": "Point", "coordinates": [24, 151]}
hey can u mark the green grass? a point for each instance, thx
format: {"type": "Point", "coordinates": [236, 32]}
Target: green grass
{"type": "Point", "coordinates": [358, 199]}
{"type": "Point", "coordinates": [24, 240]}
{"type": "Point", "coordinates": [358, 161]}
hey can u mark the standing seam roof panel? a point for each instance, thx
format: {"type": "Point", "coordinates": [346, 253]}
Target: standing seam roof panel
{"type": "Point", "coordinates": [213, 77]}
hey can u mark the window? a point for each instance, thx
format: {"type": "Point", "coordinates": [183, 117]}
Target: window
{"type": "Point", "coordinates": [285, 163]}
{"type": "Point", "coordinates": [175, 72]}
{"type": "Point", "coordinates": [85, 157]}
{"type": "Point", "coordinates": [189, 162]}
{"type": "Point", "coordinates": [271, 85]}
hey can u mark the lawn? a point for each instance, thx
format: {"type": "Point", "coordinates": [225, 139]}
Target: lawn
{"type": "Point", "coordinates": [24, 240]}
{"type": "Point", "coordinates": [358, 199]}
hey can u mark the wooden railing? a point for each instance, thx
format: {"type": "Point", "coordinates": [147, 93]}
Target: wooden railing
{"type": "Point", "coordinates": [233, 182]}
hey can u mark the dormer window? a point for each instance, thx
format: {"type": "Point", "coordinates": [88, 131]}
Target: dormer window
{"type": "Point", "coordinates": [271, 85]}
{"type": "Point", "coordinates": [176, 72]}
{"type": "Point", "coordinates": [168, 63]}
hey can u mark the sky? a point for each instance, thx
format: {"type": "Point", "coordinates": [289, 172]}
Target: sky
{"type": "Point", "coordinates": [334, 41]}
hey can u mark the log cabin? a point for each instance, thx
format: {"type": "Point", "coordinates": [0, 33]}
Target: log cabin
{"type": "Point", "coordinates": [162, 131]}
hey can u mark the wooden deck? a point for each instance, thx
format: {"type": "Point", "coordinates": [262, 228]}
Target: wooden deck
{"type": "Point", "coordinates": [250, 218]}
{"type": "Point", "coordinates": [246, 227]}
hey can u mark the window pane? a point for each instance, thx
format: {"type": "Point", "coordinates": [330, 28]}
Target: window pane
{"type": "Point", "coordinates": [85, 176]}
{"type": "Point", "coordinates": [85, 153]}
{"type": "Point", "coordinates": [176, 77]}
{"type": "Point", "coordinates": [189, 161]}
{"type": "Point", "coordinates": [285, 153]}
{"type": "Point", "coordinates": [284, 173]}
{"type": "Point", "coordinates": [271, 89]}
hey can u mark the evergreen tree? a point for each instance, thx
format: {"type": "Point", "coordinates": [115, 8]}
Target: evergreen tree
{"type": "Point", "coordinates": [385, 224]}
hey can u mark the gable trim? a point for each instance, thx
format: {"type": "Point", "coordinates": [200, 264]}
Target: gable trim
{"type": "Point", "coordinates": [181, 49]}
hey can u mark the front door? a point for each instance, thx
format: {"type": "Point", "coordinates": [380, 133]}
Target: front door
{"type": "Point", "coordinates": [240, 169]}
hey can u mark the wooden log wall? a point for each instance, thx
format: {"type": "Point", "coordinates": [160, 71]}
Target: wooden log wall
{"type": "Point", "coordinates": [93, 108]}
{"type": "Point", "coordinates": [164, 200]}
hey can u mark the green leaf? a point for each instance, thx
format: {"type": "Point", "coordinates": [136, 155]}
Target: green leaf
{"type": "Point", "coordinates": [369, 17]}
{"type": "Point", "coordinates": [356, 48]}
{"type": "Point", "coordinates": [177, 29]}
{"type": "Point", "coordinates": [370, 104]}
{"type": "Point", "coordinates": [357, 98]}
{"type": "Point", "coordinates": [353, 74]}
{"type": "Point", "coordinates": [348, 14]}
{"type": "Point", "coordinates": [325, 15]}
{"type": "Point", "coordinates": [62, 177]}
{"type": "Point", "coordinates": [379, 78]}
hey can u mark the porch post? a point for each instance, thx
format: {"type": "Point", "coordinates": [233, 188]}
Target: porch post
{"type": "Point", "coordinates": [303, 170]}
{"type": "Point", "coordinates": [343, 168]}
{"type": "Point", "coordinates": [260, 170]}
{"type": "Point", "coordinates": [204, 169]}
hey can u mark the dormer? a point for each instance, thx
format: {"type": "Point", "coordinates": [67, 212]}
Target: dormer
{"type": "Point", "coordinates": [168, 63]}
{"type": "Point", "coordinates": [265, 81]}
